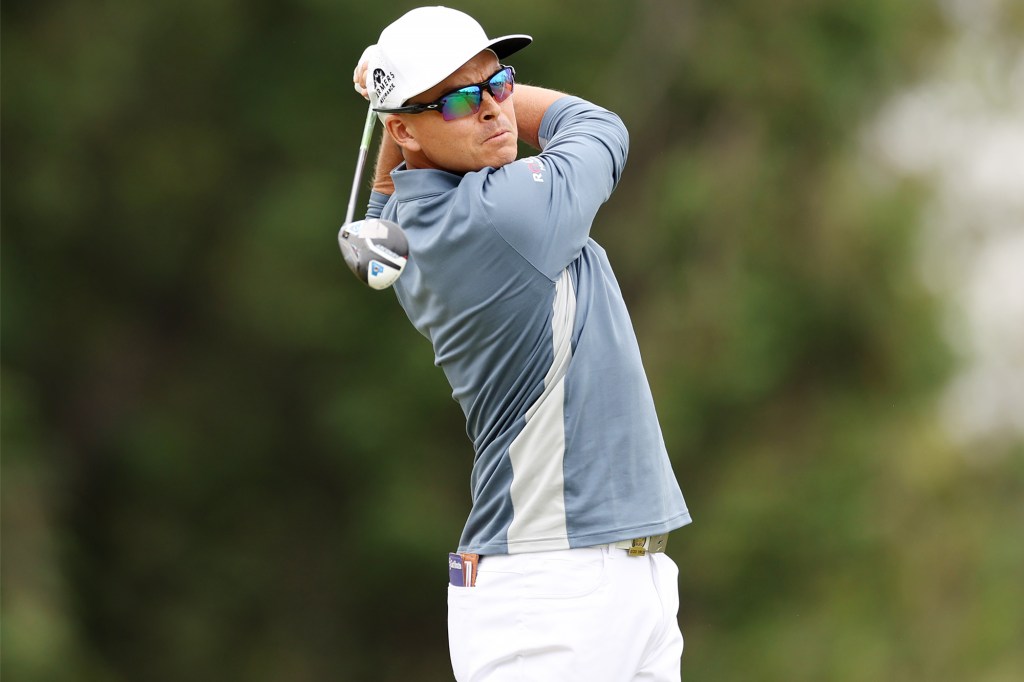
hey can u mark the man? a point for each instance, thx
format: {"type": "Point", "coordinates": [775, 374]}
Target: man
{"type": "Point", "coordinates": [560, 573]}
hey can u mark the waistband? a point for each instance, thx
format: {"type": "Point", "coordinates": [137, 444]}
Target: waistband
{"type": "Point", "coordinates": [462, 567]}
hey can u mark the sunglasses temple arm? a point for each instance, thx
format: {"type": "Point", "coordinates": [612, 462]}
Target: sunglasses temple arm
{"type": "Point", "coordinates": [364, 146]}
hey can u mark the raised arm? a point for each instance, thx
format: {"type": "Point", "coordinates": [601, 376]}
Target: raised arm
{"type": "Point", "coordinates": [531, 102]}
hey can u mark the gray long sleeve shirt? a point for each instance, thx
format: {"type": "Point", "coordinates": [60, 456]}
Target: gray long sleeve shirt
{"type": "Point", "coordinates": [528, 323]}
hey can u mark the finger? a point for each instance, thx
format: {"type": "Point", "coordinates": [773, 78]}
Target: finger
{"type": "Point", "coordinates": [359, 81]}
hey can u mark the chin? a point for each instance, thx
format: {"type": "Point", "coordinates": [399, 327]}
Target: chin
{"type": "Point", "coordinates": [506, 156]}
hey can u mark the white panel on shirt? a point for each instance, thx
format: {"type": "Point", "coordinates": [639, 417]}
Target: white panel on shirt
{"type": "Point", "coordinates": [538, 486]}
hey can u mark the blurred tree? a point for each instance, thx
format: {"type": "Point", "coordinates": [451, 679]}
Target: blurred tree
{"type": "Point", "coordinates": [225, 459]}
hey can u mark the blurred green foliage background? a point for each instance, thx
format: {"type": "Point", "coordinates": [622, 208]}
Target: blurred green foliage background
{"type": "Point", "coordinates": [224, 459]}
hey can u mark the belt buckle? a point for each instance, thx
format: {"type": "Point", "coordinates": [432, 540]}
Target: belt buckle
{"type": "Point", "coordinates": [657, 543]}
{"type": "Point", "coordinates": [650, 545]}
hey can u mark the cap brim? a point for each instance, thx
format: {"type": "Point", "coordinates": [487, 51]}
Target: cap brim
{"type": "Point", "coordinates": [508, 45]}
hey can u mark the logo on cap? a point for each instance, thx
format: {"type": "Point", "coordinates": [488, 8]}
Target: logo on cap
{"type": "Point", "coordinates": [383, 84]}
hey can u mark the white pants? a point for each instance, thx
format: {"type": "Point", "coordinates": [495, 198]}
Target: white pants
{"type": "Point", "coordinates": [593, 615]}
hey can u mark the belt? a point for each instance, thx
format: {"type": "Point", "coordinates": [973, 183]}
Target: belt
{"type": "Point", "coordinates": [641, 546]}
{"type": "Point", "coordinates": [462, 567]}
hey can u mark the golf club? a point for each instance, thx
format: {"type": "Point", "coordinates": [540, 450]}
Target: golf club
{"type": "Point", "coordinates": [375, 250]}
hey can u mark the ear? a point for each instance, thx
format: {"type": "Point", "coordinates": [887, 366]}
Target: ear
{"type": "Point", "coordinates": [403, 135]}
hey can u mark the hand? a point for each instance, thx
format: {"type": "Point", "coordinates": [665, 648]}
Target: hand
{"type": "Point", "coordinates": [359, 74]}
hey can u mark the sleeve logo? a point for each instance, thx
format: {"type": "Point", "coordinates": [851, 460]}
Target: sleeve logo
{"type": "Point", "coordinates": [536, 167]}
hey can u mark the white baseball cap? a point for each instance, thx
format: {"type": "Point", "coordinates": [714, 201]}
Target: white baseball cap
{"type": "Point", "coordinates": [422, 48]}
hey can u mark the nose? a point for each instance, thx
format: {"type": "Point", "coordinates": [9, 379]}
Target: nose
{"type": "Point", "coordinates": [489, 107]}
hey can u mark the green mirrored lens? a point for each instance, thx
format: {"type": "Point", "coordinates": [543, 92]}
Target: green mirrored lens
{"type": "Point", "coordinates": [461, 103]}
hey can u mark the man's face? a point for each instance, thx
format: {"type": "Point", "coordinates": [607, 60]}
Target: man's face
{"type": "Point", "coordinates": [487, 138]}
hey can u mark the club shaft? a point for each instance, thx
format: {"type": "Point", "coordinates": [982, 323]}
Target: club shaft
{"type": "Point", "coordinates": [364, 146]}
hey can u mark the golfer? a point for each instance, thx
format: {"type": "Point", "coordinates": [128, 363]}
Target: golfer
{"type": "Point", "coordinates": [560, 573]}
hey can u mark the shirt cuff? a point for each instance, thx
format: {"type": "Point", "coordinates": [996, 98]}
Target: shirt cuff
{"type": "Point", "coordinates": [376, 205]}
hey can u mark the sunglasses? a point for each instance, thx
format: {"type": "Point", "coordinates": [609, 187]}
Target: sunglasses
{"type": "Point", "coordinates": [466, 100]}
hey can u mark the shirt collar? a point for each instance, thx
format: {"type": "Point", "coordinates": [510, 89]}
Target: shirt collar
{"type": "Point", "coordinates": [420, 182]}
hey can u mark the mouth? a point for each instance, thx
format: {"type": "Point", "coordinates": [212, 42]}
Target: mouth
{"type": "Point", "coordinates": [499, 136]}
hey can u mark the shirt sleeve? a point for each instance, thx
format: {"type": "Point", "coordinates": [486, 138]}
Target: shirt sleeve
{"type": "Point", "coordinates": [543, 206]}
{"type": "Point", "coordinates": [376, 204]}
